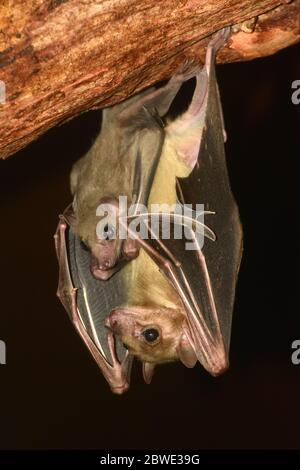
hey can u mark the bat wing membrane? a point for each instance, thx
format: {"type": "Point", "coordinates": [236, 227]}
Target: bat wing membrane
{"type": "Point", "coordinates": [205, 278]}
{"type": "Point", "coordinates": [88, 302]}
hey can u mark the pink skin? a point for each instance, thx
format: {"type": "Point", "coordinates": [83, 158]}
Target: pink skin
{"type": "Point", "coordinates": [107, 253]}
{"type": "Point", "coordinates": [117, 373]}
{"type": "Point", "coordinates": [121, 320]}
{"type": "Point", "coordinates": [130, 249]}
{"type": "Point", "coordinates": [104, 258]}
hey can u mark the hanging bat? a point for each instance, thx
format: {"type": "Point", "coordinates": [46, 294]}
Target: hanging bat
{"type": "Point", "coordinates": [121, 161]}
{"type": "Point", "coordinates": [167, 303]}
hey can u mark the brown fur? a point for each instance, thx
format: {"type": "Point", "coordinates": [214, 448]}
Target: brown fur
{"type": "Point", "coordinates": [92, 179]}
{"type": "Point", "coordinates": [152, 301]}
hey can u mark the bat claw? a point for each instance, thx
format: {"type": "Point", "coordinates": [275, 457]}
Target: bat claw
{"type": "Point", "coordinates": [219, 368]}
{"type": "Point", "coordinates": [119, 390]}
{"type": "Point", "coordinates": [219, 38]}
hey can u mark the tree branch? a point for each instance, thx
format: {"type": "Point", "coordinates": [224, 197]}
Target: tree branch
{"type": "Point", "coordinates": [60, 58]}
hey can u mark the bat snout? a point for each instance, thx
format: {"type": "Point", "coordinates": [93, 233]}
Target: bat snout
{"type": "Point", "coordinates": [102, 262]}
{"type": "Point", "coordinates": [101, 268]}
{"type": "Point", "coordinates": [104, 257]}
{"type": "Point", "coordinates": [105, 265]}
{"type": "Point", "coordinates": [112, 322]}
{"type": "Point", "coordinates": [119, 322]}
{"type": "Point", "coordinates": [100, 274]}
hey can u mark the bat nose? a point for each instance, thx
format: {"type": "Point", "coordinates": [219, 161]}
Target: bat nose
{"type": "Point", "coordinates": [101, 269]}
{"type": "Point", "coordinates": [104, 265]}
{"type": "Point", "coordinates": [111, 322]}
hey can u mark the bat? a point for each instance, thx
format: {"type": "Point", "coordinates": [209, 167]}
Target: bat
{"type": "Point", "coordinates": [121, 161]}
{"type": "Point", "coordinates": [167, 303]}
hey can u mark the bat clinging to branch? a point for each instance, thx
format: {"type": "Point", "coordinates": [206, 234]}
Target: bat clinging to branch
{"type": "Point", "coordinates": [122, 161]}
{"type": "Point", "coordinates": [168, 303]}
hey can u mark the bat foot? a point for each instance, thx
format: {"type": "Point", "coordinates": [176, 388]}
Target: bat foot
{"type": "Point", "coordinates": [187, 70]}
{"type": "Point", "coordinates": [219, 39]}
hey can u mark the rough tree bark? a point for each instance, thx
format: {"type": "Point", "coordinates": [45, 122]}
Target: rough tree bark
{"type": "Point", "coordinates": [59, 58]}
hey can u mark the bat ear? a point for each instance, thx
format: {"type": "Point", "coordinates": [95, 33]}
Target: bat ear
{"type": "Point", "coordinates": [148, 371]}
{"type": "Point", "coordinates": [69, 215]}
{"type": "Point", "coordinates": [185, 351]}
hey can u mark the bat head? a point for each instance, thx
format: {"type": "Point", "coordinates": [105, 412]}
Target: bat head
{"type": "Point", "coordinates": [153, 334]}
{"type": "Point", "coordinates": [99, 234]}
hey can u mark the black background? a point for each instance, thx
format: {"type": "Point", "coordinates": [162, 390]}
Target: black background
{"type": "Point", "coordinates": [52, 394]}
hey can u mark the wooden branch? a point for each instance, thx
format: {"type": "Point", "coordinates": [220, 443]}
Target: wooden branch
{"type": "Point", "coordinates": [60, 58]}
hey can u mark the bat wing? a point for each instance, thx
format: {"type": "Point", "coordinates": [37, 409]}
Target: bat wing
{"type": "Point", "coordinates": [218, 260]}
{"type": "Point", "coordinates": [205, 278]}
{"type": "Point", "coordinates": [141, 119]}
{"type": "Point", "coordinates": [88, 302]}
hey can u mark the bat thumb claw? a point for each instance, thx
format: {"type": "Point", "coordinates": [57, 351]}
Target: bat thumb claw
{"type": "Point", "coordinates": [119, 390]}
{"type": "Point", "coordinates": [219, 368]}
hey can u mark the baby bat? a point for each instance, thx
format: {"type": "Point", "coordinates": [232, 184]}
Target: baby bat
{"type": "Point", "coordinates": [121, 161]}
{"type": "Point", "coordinates": [168, 303]}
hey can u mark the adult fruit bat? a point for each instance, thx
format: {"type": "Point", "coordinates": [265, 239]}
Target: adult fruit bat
{"type": "Point", "coordinates": [168, 303]}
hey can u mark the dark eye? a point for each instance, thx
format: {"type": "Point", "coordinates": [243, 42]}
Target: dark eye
{"type": "Point", "coordinates": [150, 335]}
{"type": "Point", "coordinates": [84, 246]}
{"type": "Point", "coordinates": [108, 232]}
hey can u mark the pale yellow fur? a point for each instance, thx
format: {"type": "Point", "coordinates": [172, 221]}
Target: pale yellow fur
{"type": "Point", "coordinates": [148, 286]}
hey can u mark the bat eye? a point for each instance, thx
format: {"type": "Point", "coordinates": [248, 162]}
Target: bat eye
{"type": "Point", "coordinates": [150, 335]}
{"type": "Point", "coordinates": [108, 232]}
{"type": "Point", "coordinates": [84, 246]}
